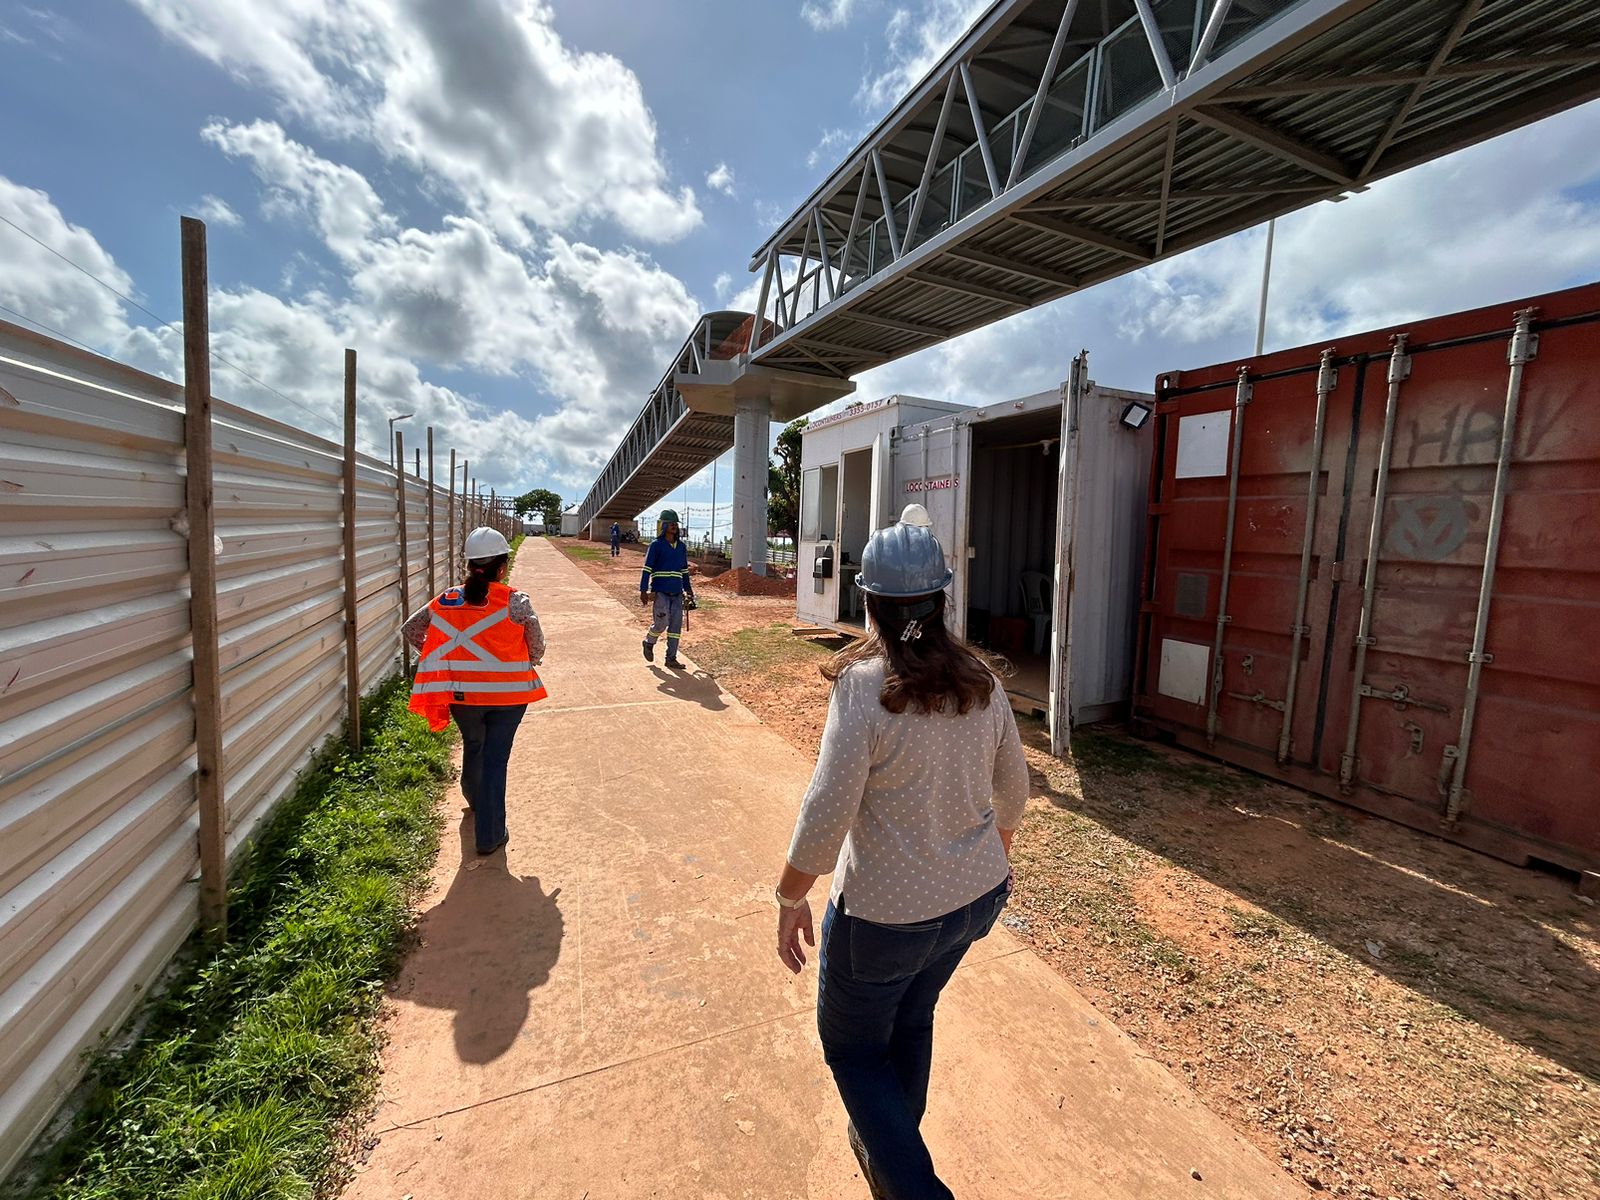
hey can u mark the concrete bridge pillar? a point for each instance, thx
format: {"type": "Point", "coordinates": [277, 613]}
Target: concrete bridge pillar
{"type": "Point", "coordinates": [752, 436]}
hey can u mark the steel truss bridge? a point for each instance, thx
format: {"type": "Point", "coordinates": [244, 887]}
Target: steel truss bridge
{"type": "Point", "coordinates": [1061, 143]}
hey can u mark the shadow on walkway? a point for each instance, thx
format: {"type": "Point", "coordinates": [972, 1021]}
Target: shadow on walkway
{"type": "Point", "coordinates": [697, 686]}
{"type": "Point", "coordinates": [486, 946]}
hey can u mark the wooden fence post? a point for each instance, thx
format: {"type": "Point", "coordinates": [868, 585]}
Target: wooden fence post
{"type": "Point", "coordinates": [405, 558]}
{"type": "Point", "coordinates": [352, 643]}
{"type": "Point", "coordinates": [433, 530]}
{"type": "Point", "coordinates": [450, 535]}
{"type": "Point", "coordinates": [203, 582]}
{"type": "Point", "coordinates": [494, 513]}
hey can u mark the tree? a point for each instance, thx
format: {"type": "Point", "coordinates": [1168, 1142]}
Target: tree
{"type": "Point", "coordinates": [783, 482]}
{"type": "Point", "coordinates": [542, 503]}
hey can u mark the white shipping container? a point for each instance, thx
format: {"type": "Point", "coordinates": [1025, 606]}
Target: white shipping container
{"type": "Point", "coordinates": [1039, 504]}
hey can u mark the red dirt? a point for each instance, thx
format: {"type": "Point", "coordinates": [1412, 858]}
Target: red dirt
{"type": "Point", "coordinates": [745, 582]}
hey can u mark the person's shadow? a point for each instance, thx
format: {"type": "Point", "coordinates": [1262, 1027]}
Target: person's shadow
{"type": "Point", "coordinates": [486, 946]}
{"type": "Point", "coordinates": [685, 685]}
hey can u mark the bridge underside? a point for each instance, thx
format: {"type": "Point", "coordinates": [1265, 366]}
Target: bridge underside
{"type": "Point", "coordinates": [1142, 148]}
{"type": "Point", "coordinates": [692, 444]}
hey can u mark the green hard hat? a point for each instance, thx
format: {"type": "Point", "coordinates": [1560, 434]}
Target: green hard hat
{"type": "Point", "coordinates": [669, 516]}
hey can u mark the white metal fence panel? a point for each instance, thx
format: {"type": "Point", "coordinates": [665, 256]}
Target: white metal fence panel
{"type": "Point", "coordinates": [98, 803]}
{"type": "Point", "coordinates": [98, 822]}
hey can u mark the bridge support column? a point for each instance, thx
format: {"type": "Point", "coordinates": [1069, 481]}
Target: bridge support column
{"type": "Point", "coordinates": [752, 436]}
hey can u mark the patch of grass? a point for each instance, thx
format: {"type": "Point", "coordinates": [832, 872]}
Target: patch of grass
{"type": "Point", "coordinates": [1255, 926]}
{"type": "Point", "coordinates": [579, 551]}
{"type": "Point", "coordinates": [516, 544]}
{"type": "Point", "coordinates": [249, 1067]}
{"type": "Point", "coordinates": [758, 650]}
{"type": "Point", "coordinates": [1098, 752]}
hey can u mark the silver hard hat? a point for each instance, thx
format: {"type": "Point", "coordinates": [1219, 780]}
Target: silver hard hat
{"type": "Point", "coordinates": [902, 561]}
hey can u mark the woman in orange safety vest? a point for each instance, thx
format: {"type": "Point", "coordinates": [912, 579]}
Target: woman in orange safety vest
{"type": "Point", "coordinates": [478, 647]}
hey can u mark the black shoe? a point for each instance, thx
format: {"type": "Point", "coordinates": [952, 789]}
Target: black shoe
{"type": "Point", "coordinates": [866, 1167]}
{"type": "Point", "coordinates": [649, 652]}
{"type": "Point", "coordinates": [673, 664]}
{"type": "Point", "coordinates": [503, 840]}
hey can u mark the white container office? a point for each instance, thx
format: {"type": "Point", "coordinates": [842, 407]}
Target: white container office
{"type": "Point", "coordinates": [1040, 506]}
{"type": "Point", "coordinates": [845, 487]}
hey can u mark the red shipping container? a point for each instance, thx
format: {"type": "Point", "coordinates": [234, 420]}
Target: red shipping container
{"type": "Point", "coordinates": [1354, 583]}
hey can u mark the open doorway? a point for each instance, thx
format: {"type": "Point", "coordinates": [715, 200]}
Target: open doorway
{"type": "Point", "coordinates": [855, 527]}
{"type": "Point", "coordinates": [1011, 532]}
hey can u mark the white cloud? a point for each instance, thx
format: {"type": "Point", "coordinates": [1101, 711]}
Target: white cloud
{"type": "Point", "coordinates": [215, 211]}
{"type": "Point", "coordinates": [723, 286]}
{"type": "Point", "coordinates": [829, 14]}
{"type": "Point", "coordinates": [721, 179]}
{"type": "Point", "coordinates": [593, 326]}
{"type": "Point", "coordinates": [916, 42]}
{"type": "Point", "coordinates": [483, 97]}
{"type": "Point", "coordinates": [830, 146]}
{"type": "Point", "coordinates": [42, 288]}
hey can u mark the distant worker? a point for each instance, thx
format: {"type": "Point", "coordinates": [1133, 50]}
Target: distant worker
{"type": "Point", "coordinates": [665, 582]}
{"type": "Point", "coordinates": [479, 646]}
{"type": "Point", "coordinates": [616, 540]}
{"type": "Point", "coordinates": [919, 785]}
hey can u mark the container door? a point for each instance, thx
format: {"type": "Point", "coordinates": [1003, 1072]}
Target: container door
{"type": "Point", "coordinates": [884, 512]}
{"type": "Point", "coordinates": [1247, 514]}
{"type": "Point", "coordinates": [1512, 738]}
{"type": "Point", "coordinates": [929, 468]}
{"type": "Point", "coordinates": [1060, 709]}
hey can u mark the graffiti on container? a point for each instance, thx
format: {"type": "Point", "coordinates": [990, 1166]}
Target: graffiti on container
{"type": "Point", "coordinates": [933, 485]}
{"type": "Point", "coordinates": [1428, 528]}
{"type": "Point", "coordinates": [1467, 434]}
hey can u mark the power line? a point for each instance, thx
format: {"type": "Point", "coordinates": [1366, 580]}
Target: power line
{"type": "Point", "coordinates": [305, 408]}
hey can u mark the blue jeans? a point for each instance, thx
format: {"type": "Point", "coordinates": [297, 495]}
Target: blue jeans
{"type": "Point", "coordinates": [876, 991]}
{"type": "Point", "coordinates": [487, 731]}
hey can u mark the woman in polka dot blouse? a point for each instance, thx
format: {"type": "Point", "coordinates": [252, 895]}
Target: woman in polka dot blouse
{"type": "Point", "coordinates": [919, 785]}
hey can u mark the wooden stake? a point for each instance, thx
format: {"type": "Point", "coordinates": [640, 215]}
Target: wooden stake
{"type": "Point", "coordinates": [203, 582]}
{"type": "Point", "coordinates": [352, 643]}
{"type": "Point", "coordinates": [405, 557]}
{"type": "Point", "coordinates": [450, 535]}
{"type": "Point", "coordinates": [433, 530]}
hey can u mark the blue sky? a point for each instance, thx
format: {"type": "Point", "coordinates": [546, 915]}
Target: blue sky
{"type": "Point", "coordinates": [515, 211]}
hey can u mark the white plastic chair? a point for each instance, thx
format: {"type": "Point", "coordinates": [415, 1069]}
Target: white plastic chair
{"type": "Point", "coordinates": [1036, 605]}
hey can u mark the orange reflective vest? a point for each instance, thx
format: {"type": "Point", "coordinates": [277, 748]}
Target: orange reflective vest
{"type": "Point", "coordinates": [473, 654]}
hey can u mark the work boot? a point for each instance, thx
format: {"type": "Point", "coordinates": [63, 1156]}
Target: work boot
{"type": "Point", "coordinates": [866, 1167]}
{"type": "Point", "coordinates": [673, 664]}
{"type": "Point", "coordinates": [649, 650]}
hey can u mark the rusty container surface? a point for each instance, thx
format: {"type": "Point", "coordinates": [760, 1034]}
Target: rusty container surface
{"type": "Point", "coordinates": [1407, 609]}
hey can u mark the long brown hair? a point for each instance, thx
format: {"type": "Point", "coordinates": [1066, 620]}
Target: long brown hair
{"type": "Point", "coordinates": [481, 572]}
{"type": "Point", "coordinates": [936, 672]}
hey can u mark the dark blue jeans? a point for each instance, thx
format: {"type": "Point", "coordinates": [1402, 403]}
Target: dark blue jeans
{"type": "Point", "coordinates": [876, 990]}
{"type": "Point", "coordinates": [487, 731]}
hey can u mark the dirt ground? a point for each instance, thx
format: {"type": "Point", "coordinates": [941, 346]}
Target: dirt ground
{"type": "Point", "coordinates": [1384, 1013]}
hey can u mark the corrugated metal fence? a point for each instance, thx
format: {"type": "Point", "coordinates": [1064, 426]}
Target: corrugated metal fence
{"type": "Point", "coordinates": [98, 800]}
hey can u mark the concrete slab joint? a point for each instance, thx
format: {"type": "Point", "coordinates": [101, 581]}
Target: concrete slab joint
{"type": "Point", "coordinates": [752, 434]}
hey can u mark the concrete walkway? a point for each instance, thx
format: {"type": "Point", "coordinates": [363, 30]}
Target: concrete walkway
{"type": "Point", "coordinates": [599, 1011]}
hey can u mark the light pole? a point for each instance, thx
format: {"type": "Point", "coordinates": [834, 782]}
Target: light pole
{"type": "Point", "coordinates": [392, 420]}
{"type": "Point", "coordinates": [1266, 280]}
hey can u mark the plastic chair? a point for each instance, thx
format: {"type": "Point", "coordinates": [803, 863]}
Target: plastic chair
{"type": "Point", "coordinates": [1036, 606]}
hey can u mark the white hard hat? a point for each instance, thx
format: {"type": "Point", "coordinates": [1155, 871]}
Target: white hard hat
{"type": "Point", "coordinates": [915, 514]}
{"type": "Point", "coordinates": [484, 542]}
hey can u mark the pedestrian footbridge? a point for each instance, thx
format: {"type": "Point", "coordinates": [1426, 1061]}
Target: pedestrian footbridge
{"type": "Point", "coordinates": [1061, 143]}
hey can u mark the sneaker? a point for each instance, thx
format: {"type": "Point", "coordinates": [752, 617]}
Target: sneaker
{"type": "Point", "coordinates": [649, 651]}
{"type": "Point", "coordinates": [866, 1167]}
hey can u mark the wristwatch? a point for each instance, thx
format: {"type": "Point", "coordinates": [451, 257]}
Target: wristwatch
{"type": "Point", "coordinates": [784, 902]}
